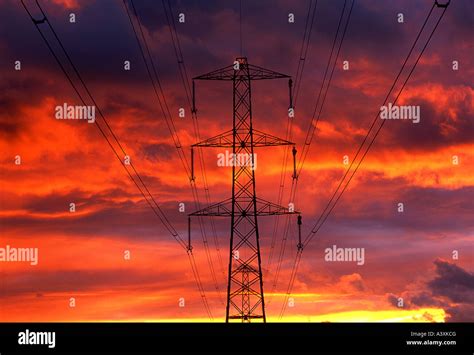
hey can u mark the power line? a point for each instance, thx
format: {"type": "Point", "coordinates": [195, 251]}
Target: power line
{"type": "Point", "coordinates": [158, 89]}
{"type": "Point", "coordinates": [304, 48]}
{"type": "Point", "coordinates": [315, 119]}
{"type": "Point", "coordinates": [374, 121]}
{"type": "Point", "coordinates": [187, 87]}
{"type": "Point", "coordinates": [312, 126]}
{"type": "Point", "coordinates": [161, 215]}
{"type": "Point", "coordinates": [156, 209]}
{"type": "Point", "coordinates": [188, 91]}
{"type": "Point", "coordinates": [240, 27]}
{"type": "Point", "coordinates": [289, 130]}
{"type": "Point", "coordinates": [317, 227]}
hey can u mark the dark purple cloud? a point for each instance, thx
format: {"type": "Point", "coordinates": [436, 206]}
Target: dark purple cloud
{"type": "Point", "coordinates": [452, 289]}
{"type": "Point", "coordinates": [452, 282]}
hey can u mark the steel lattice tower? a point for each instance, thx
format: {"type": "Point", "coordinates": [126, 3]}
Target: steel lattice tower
{"type": "Point", "coordinates": [245, 297]}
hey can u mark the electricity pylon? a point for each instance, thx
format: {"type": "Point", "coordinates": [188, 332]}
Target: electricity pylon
{"type": "Point", "coordinates": [245, 297]}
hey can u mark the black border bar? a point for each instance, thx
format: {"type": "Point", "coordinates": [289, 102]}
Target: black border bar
{"type": "Point", "coordinates": [315, 338]}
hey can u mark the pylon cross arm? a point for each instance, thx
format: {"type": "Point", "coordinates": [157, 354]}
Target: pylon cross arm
{"type": "Point", "coordinates": [225, 140]}
{"type": "Point", "coordinates": [224, 209]}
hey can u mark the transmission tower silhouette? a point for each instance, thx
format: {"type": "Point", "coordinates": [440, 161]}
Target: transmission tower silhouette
{"type": "Point", "coordinates": [245, 296]}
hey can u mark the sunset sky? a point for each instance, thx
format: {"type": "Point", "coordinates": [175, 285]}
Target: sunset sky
{"type": "Point", "coordinates": [81, 254]}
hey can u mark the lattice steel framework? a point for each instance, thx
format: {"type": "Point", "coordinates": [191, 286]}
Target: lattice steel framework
{"type": "Point", "coordinates": [245, 296]}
